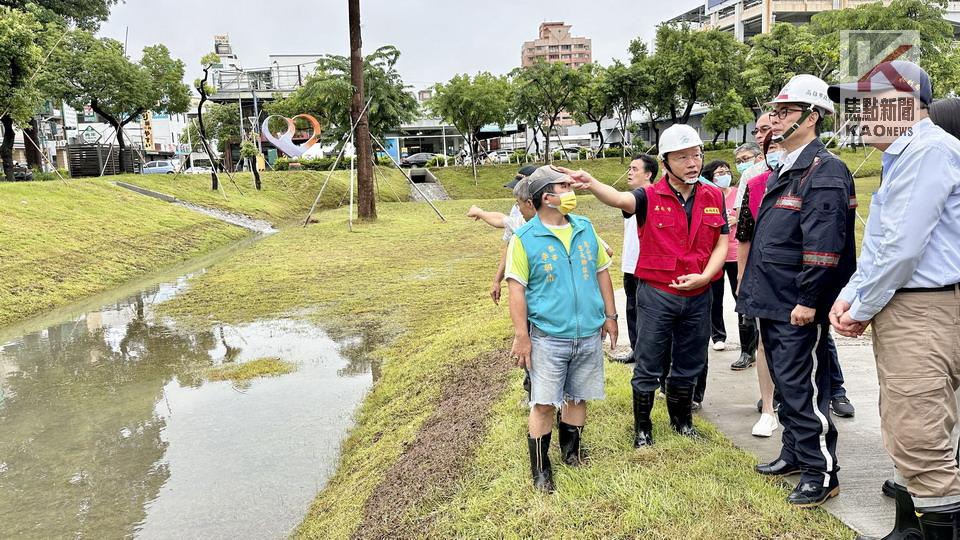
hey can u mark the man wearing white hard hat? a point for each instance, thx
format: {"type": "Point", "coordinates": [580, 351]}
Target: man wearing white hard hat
{"type": "Point", "coordinates": [683, 232]}
{"type": "Point", "coordinates": [801, 255]}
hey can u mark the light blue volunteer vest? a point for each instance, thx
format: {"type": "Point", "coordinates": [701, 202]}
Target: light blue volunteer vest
{"type": "Point", "coordinates": [563, 294]}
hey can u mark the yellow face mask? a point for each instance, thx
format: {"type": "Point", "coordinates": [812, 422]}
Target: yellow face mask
{"type": "Point", "coordinates": [568, 202]}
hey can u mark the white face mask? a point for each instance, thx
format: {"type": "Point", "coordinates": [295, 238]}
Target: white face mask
{"type": "Point", "coordinates": [723, 180]}
{"type": "Point", "coordinates": [773, 158]}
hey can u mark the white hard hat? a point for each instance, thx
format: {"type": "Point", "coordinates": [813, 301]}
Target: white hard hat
{"type": "Point", "coordinates": [805, 89]}
{"type": "Point", "coordinates": [678, 137]}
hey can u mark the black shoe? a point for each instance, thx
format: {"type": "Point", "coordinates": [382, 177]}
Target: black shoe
{"type": "Point", "coordinates": [938, 525]}
{"type": "Point", "coordinates": [642, 426]}
{"type": "Point", "coordinates": [842, 407]}
{"type": "Point", "coordinates": [745, 361]}
{"type": "Point", "coordinates": [777, 467]}
{"type": "Point", "coordinates": [570, 450]}
{"type": "Point", "coordinates": [776, 406]}
{"type": "Point", "coordinates": [540, 463]}
{"type": "Point", "coordinates": [906, 526]}
{"type": "Point", "coordinates": [697, 405]}
{"type": "Point", "coordinates": [813, 494]}
{"type": "Point", "coordinates": [889, 488]}
{"type": "Point", "coordinates": [623, 358]}
{"type": "Point", "coordinates": [680, 409]}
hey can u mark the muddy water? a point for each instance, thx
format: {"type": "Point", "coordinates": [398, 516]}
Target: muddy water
{"type": "Point", "coordinates": [108, 428]}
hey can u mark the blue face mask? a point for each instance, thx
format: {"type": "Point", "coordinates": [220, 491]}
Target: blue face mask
{"type": "Point", "coordinates": [701, 180]}
{"type": "Point", "coordinates": [723, 181]}
{"type": "Point", "coordinates": [742, 167]}
{"type": "Point", "coordinates": [773, 158]}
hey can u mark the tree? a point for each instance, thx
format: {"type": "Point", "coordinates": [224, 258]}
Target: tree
{"type": "Point", "coordinates": [85, 14]}
{"type": "Point", "coordinates": [249, 152]}
{"type": "Point", "coordinates": [701, 65]}
{"type": "Point", "coordinates": [95, 71]}
{"type": "Point", "coordinates": [592, 103]}
{"type": "Point", "coordinates": [551, 87]}
{"type": "Point", "coordinates": [939, 55]}
{"type": "Point", "coordinates": [21, 55]}
{"type": "Point", "coordinates": [647, 90]}
{"type": "Point", "coordinates": [222, 123]}
{"type": "Point", "coordinates": [360, 118]}
{"type": "Point", "coordinates": [725, 115]}
{"type": "Point", "coordinates": [774, 58]}
{"type": "Point", "coordinates": [205, 90]}
{"type": "Point", "coordinates": [327, 94]}
{"type": "Point", "coordinates": [624, 87]}
{"type": "Point", "coordinates": [469, 104]}
{"type": "Point", "coordinates": [526, 110]}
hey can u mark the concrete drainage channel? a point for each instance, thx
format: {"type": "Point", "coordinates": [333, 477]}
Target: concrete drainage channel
{"type": "Point", "coordinates": [425, 187]}
{"type": "Point", "coordinates": [240, 220]}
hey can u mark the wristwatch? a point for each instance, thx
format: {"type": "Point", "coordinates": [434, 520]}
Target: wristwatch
{"type": "Point", "coordinates": [613, 317]}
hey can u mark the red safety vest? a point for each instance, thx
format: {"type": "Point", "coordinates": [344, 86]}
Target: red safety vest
{"type": "Point", "coordinates": [668, 247]}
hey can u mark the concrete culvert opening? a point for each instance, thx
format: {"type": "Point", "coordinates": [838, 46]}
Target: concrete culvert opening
{"type": "Point", "coordinates": [422, 176]}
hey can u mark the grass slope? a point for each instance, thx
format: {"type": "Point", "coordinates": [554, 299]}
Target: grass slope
{"type": "Point", "coordinates": [460, 184]}
{"type": "Point", "coordinates": [285, 195]}
{"type": "Point", "coordinates": [62, 242]}
{"type": "Point", "coordinates": [424, 284]}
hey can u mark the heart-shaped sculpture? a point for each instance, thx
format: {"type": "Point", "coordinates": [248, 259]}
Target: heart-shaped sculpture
{"type": "Point", "coordinates": [284, 142]}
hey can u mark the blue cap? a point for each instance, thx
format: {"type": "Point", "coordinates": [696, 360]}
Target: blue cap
{"type": "Point", "coordinates": [901, 75]}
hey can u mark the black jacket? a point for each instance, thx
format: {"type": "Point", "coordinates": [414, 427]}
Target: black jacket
{"type": "Point", "coordinates": [803, 249]}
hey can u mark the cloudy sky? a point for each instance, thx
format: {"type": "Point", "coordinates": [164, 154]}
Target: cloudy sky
{"type": "Point", "coordinates": [437, 38]}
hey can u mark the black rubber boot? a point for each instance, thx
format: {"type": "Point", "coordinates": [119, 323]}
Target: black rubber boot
{"type": "Point", "coordinates": [938, 525]}
{"type": "Point", "coordinates": [540, 463]}
{"type": "Point", "coordinates": [570, 450]}
{"type": "Point", "coordinates": [680, 409]}
{"type": "Point", "coordinates": [642, 426]}
{"type": "Point", "coordinates": [906, 525]}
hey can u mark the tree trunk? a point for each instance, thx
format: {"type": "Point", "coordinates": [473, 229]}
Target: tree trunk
{"type": "Point", "coordinates": [600, 134]}
{"type": "Point", "coordinates": [366, 199]}
{"type": "Point", "coordinates": [715, 137]}
{"type": "Point", "coordinates": [256, 173]}
{"type": "Point", "coordinates": [654, 131]}
{"type": "Point", "coordinates": [547, 156]}
{"type": "Point", "coordinates": [31, 151]}
{"type": "Point", "coordinates": [472, 141]}
{"type": "Point", "coordinates": [114, 123]}
{"type": "Point", "coordinates": [214, 181]}
{"type": "Point", "coordinates": [726, 136]}
{"type": "Point", "coordinates": [6, 148]}
{"type": "Point", "coordinates": [536, 140]}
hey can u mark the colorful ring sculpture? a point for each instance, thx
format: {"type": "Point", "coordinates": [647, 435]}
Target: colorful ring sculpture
{"type": "Point", "coordinates": [284, 142]}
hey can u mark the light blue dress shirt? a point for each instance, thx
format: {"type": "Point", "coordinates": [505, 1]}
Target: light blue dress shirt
{"type": "Point", "coordinates": [913, 233]}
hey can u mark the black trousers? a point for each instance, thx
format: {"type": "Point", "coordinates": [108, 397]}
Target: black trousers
{"type": "Point", "coordinates": [801, 367]}
{"type": "Point", "coordinates": [630, 289]}
{"type": "Point", "coordinates": [718, 332]}
{"type": "Point", "coordinates": [672, 331]}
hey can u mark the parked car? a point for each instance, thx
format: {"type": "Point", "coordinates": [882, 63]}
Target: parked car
{"type": "Point", "coordinates": [417, 160]}
{"type": "Point", "coordinates": [197, 170]}
{"type": "Point", "coordinates": [22, 173]}
{"type": "Point", "coordinates": [501, 156]}
{"type": "Point", "coordinates": [160, 167]}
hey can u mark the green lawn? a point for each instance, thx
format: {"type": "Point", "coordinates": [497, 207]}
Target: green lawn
{"type": "Point", "coordinates": [423, 284]}
{"type": "Point", "coordinates": [285, 196]}
{"type": "Point", "coordinates": [460, 184]}
{"type": "Point", "coordinates": [62, 242]}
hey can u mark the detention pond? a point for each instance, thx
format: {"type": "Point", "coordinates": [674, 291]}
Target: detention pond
{"type": "Point", "coordinates": [112, 424]}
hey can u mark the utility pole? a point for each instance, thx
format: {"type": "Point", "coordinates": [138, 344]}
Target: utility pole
{"type": "Point", "coordinates": [366, 202]}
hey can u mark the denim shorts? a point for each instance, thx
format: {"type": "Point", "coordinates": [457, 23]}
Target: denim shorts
{"type": "Point", "coordinates": [565, 369]}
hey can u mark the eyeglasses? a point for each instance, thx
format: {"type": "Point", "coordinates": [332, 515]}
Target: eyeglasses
{"type": "Point", "coordinates": [747, 159]}
{"type": "Point", "coordinates": [783, 113]}
{"type": "Point", "coordinates": [684, 159]}
{"type": "Point", "coordinates": [764, 129]}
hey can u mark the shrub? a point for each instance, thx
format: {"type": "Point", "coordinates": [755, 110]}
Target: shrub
{"type": "Point", "coordinates": [281, 164]}
{"type": "Point", "coordinates": [438, 161]}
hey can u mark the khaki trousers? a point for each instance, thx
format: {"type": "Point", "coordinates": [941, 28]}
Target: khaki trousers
{"type": "Point", "coordinates": [916, 342]}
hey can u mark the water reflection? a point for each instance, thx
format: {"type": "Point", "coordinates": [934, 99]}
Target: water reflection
{"type": "Point", "coordinates": [108, 428]}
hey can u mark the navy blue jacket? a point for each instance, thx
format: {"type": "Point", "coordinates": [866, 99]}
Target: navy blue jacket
{"type": "Point", "coordinates": [803, 249]}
